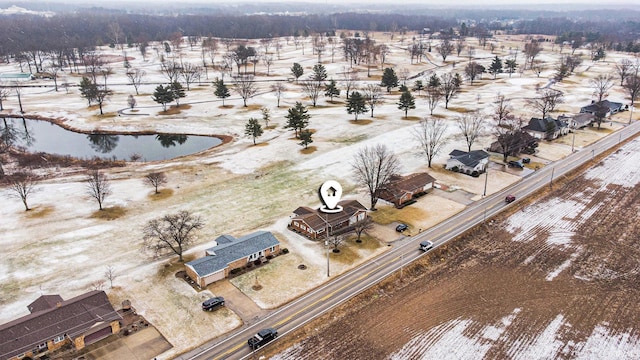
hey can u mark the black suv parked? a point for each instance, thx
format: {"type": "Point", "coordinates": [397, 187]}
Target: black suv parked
{"type": "Point", "coordinates": [262, 338]}
{"type": "Point", "coordinates": [213, 303]}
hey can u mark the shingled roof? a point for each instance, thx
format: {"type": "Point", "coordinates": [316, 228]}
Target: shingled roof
{"type": "Point", "coordinates": [471, 158]}
{"type": "Point", "coordinates": [230, 249]}
{"type": "Point", "coordinates": [72, 318]}
{"type": "Point", "coordinates": [594, 107]}
{"type": "Point", "coordinates": [400, 185]}
{"type": "Point", "coordinates": [318, 220]}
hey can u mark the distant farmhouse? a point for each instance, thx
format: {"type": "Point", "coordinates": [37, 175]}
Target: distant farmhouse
{"type": "Point", "coordinates": [471, 163]}
{"type": "Point", "coordinates": [402, 190]}
{"type": "Point", "coordinates": [314, 223]}
{"type": "Point", "coordinates": [55, 323]}
{"type": "Point", "coordinates": [547, 128]}
{"type": "Point", "coordinates": [230, 253]}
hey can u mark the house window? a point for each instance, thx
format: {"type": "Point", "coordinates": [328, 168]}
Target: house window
{"type": "Point", "coordinates": [253, 257]}
{"type": "Point", "coordinates": [272, 249]}
{"type": "Point", "coordinates": [42, 346]}
{"type": "Point", "coordinates": [303, 227]}
{"type": "Point", "coordinates": [58, 338]}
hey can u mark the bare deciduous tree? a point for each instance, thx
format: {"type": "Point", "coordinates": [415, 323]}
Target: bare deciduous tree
{"type": "Point", "coordinates": [502, 108]}
{"type": "Point", "coordinates": [171, 233]}
{"type": "Point", "coordinates": [624, 69]}
{"type": "Point", "coordinates": [373, 167]}
{"type": "Point", "coordinates": [110, 274]}
{"type": "Point", "coordinates": [470, 125]}
{"type": "Point", "coordinates": [350, 80]}
{"type": "Point", "coordinates": [98, 186]}
{"type": "Point", "coordinates": [245, 87]}
{"type": "Point", "coordinates": [171, 70]}
{"type": "Point", "coordinates": [312, 88]}
{"type": "Point", "coordinates": [362, 227]}
{"type": "Point", "coordinates": [156, 179]}
{"type": "Point", "coordinates": [22, 185]}
{"type": "Point", "coordinates": [335, 241]}
{"type": "Point", "coordinates": [372, 95]}
{"type": "Point", "coordinates": [546, 102]}
{"type": "Point", "coordinates": [190, 73]}
{"type": "Point", "coordinates": [632, 85]}
{"type": "Point", "coordinates": [4, 93]}
{"type": "Point", "coordinates": [601, 85]}
{"type": "Point", "coordinates": [431, 135]}
{"type": "Point", "coordinates": [278, 88]}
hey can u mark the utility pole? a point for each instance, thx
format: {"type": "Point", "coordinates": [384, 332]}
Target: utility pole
{"type": "Point", "coordinates": [486, 179]}
{"type": "Point", "coordinates": [551, 181]}
{"type": "Point", "coordinates": [326, 243]}
{"type": "Point", "coordinates": [573, 140]}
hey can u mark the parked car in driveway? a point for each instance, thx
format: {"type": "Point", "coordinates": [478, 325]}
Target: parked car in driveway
{"type": "Point", "coordinates": [402, 227]}
{"type": "Point", "coordinates": [526, 160]}
{"type": "Point", "coordinates": [213, 303]}
{"type": "Point", "coordinates": [263, 337]}
{"type": "Point", "coordinates": [515, 164]}
{"type": "Point", "coordinates": [509, 199]}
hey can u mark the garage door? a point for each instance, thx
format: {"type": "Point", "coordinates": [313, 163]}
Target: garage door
{"type": "Point", "coordinates": [96, 336]}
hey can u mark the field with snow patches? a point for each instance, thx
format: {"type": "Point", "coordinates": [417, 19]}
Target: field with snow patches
{"type": "Point", "coordinates": [59, 247]}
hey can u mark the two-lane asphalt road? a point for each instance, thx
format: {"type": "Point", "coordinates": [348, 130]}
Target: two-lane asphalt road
{"type": "Point", "coordinates": [340, 289]}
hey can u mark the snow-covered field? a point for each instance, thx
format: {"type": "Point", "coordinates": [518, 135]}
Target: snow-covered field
{"type": "Point", "coordinates": [58, 247]}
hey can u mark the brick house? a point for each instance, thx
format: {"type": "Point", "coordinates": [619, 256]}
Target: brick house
{"type": "Point", "coordinates": [55, 323]}
{"type": "Point", "coordinates": [230, 253]}
{"type": "Point", "coordinates": [401, 190]}
{"type": "Point", "coordinates": [313, 223]}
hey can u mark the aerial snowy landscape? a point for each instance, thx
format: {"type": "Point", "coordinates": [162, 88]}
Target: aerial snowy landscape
{"type": "Point", "coordinates": [554, 277]}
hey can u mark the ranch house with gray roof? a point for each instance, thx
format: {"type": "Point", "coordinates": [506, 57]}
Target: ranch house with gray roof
{"type": "Point", "coordinates": [230, 253]}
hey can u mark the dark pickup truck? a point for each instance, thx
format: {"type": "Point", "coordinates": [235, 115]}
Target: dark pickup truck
{"type": "Point", "coordinates": [262, 338]}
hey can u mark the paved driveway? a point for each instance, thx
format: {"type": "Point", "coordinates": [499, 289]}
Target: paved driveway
{"type": "Point", "coordinates": [143, 344]}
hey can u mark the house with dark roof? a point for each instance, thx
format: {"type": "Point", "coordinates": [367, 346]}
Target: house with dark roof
{"type": "Point", "coordinates": [547, 128]}
{"type": "Point", "coordinates": [577, 121]}
{"type": "Point", "coordinates": [230, 253]}
{"type": "Point", "coordinates": [402, 190]}
{"type": "Point", "coordinates": [609, 107]}
{"type": "Point", "coordinates": [314, 223]}
{"type": "Point", "coordinates": [472, 162]}
{"type": "Point", "coordinates": [55, 323]}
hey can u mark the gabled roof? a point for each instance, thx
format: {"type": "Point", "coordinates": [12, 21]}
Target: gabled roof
{"type": "Point", "coordinates": [72, 317]}
{"type": "Point", "coordinates": [219, 257]}
{"type": "Point", "coordinates": [400, 185]}
{"type": "Point", "coordinates": [44, 302]}
{"type": "Point", "coordinates": [318, 220]}
{"type": "Point", "coordinates": [594, 106]}
{"type": "Point", "coordinates": [542, 125]}
{"type": "Point", "coordinates": [471, 158]}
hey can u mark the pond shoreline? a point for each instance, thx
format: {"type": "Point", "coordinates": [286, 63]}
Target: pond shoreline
{"type": "Point", "coordinates": [62, 123]}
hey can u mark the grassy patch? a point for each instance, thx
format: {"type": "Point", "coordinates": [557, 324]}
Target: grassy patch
{"type": "Point", "coordinates": [40, 211]}
{"type": "Point", "coordinates": [361, 122]}
{"type": "Point", "coordinates": [351, 139]}
{"type": "Point", "coordinates": [170, 111]}
{"type": "Point", "coordinates": [134, 110]}
{"type": "Point", "coordinates": [227, 106]}
{"type": "Point", "coordinates": [271, 127]}
{"type": "Point", "coordinates": [309, 150]}
{"type": "Point", "coordinates": [252, 107]}
{"type": "Point", "coordinates": [460, 109]}
{"type": "Point", "coordinates": [409, 215]}
{"type": "Point", "coordinates": [347, 255]}
{"type": "Point", "coordinates": [439, 116]}
{"type": "Point", "coordinates": [368, 242]}
{"type": "Point", "coordinates": [261, 144]}
{"type": "Point", "coordinates": [110, 213]}
{"type": "Point", "coordinates": [162, 194]}
{"type": "Point", "coordinates": [411, 118]}
{"type": "Point", "coordinates": [174, 265]}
